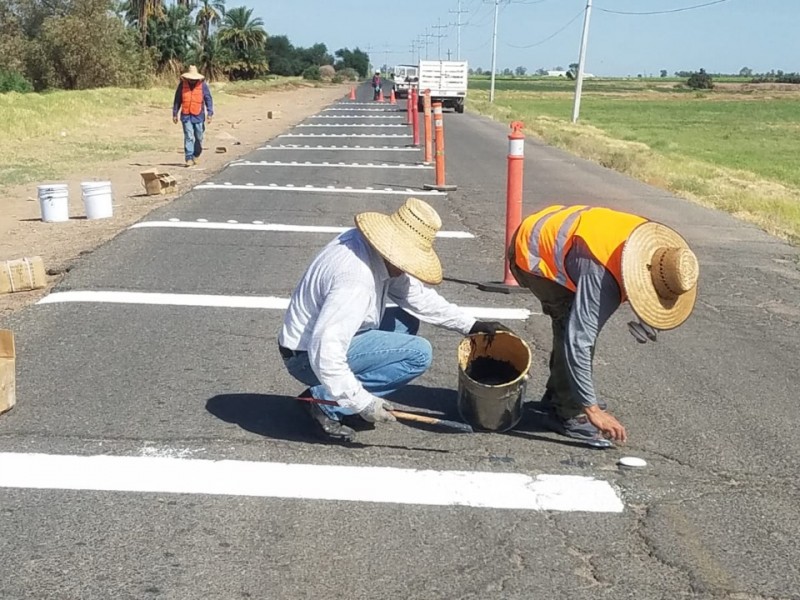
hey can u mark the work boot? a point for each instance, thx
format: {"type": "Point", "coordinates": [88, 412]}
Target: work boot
{"type": "Point", "coordinates": [577, 428]}
{"type": "Point", "coordinates": [327, 427]}
{"type": "Point", "coordinates": [190, 163]}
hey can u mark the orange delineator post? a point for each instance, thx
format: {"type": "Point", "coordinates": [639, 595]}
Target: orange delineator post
{"type": "Point", "coordinates": [414, 117]}
{"type": "Point", "coordinates": [516, 163]}
{"type": "Point", "coordinates": [438, 126]}
{"type": "Point", "coordinates": [428, 127]}
{"type": "Point", "coordinates": [352, 93]}
{"type": "Point", "coordinates": [408, 108]}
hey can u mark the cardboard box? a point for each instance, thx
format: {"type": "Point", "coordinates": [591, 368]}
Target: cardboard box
{"type": "Point", "coordinates": [156, 182]}
{"type": "Point", "coordinates": [22, 274]}
{"type": "Point", "coordinates": [274, 114]}
{"type": "Point", "coordinates": [7, 371]}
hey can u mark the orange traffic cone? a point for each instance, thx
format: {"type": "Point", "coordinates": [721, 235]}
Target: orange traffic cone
{"type": "Point", "coordinates": [352, 93]}
{"type": "Point", "coordinates": [392, 99]}
{"type": "Point", "coordinates": [380, 96]}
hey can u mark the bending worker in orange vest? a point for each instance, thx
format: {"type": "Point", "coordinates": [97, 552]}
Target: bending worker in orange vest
{"type": "Point", "coordinates": [191, 99]}
{"type": "Point", "coordinates": [582, 263]}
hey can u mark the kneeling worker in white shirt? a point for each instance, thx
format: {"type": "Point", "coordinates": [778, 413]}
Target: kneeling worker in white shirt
{"type": "Point", "coordinates": [339, 338]}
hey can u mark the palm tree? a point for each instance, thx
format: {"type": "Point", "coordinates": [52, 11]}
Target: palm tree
{"type": "Point", "coordinates": [241, 33]}
{"type": "Point", "coordinates": [211, 12]}
{"type": "Point", "coordinates": [173, 38]}
{"type": "Point", "coordinates": [139, 12]}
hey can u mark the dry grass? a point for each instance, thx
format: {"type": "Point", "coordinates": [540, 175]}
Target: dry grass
{"type": "Point", "coordinates": [44, 136]}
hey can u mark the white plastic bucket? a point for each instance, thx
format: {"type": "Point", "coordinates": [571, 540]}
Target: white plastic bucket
{"type": "Point", "coordinates": [54, 202]}
{"type": "Point", "coordinates": [97, 199]}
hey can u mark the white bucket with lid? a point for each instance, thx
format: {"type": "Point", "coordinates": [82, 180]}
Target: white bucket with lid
{"type": "Point", "coordinates": [54, 202]}
{"type": "Point", "coordinates": [97, 199]}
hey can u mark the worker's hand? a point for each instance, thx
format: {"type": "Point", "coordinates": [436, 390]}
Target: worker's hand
{"type": "Point", "coordinates": [488, 327]}
{"type": "Point", "coordinates": [175, 120]}
{"type": "Point", "coordinates": [607, 424]}
{"type": "Point", "coordinates": [377, 411]}
{"type": "Point", "coordinates": [208, 120]}
{"type": "Point", "coordinates": [642, 332]}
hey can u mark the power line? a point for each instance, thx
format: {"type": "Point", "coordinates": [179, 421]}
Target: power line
{"type": "Point", "coordinates": [550, 37]}
{"type": "Point", "coordinates": [439, 37]}
{"type": "Point", "coordinates": [662, 12]}
{"type": "Point", "coordinates": [458, 14]}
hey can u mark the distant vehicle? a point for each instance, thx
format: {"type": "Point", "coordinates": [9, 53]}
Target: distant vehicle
{"type": "Point", "coordinates": [403, 76]}
{"type": "Point", "coordinates": [447, 81]}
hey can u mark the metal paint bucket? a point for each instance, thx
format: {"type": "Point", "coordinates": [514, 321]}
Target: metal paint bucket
{"type": "Point", "coordinates": [485, 406]}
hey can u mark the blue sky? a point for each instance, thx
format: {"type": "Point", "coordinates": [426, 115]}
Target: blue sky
{"type": "Point", "coordinates": [760, 34]}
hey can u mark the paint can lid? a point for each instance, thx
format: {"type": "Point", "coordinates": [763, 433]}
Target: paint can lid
{"type": "Point", "coordinates": [632, 461]}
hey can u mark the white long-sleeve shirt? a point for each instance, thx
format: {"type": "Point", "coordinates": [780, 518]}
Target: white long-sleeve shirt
{"type": "Point", "coordinates": [344, 291]}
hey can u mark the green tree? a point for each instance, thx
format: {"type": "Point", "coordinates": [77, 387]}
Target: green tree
{"type": "Point", "coordinates": [172, 38]}
{"type": "Point", "coordinates": [353, 59]}
{"type": "Point", "coordinates": [210, 12]}
{"type": "Point", "coordinates": [139, 14]}
{"type": "Point", "coordinates": [282, 56]}
{"type": "Point", "coordinates": [746, 72]}
{"type": "Point", "coordinates": [244, 37]}
{"type": "Point", "coordinates": [212, 58]}
{"type": "Point", "coordinates": [520, 71]}
{"type": "Point", "coordinates": [663, 73]}
{"type": "Point", "coordinates": [700, 81]}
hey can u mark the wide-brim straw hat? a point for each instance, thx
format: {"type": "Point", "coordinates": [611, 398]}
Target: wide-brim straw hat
{"type": "Point", "coordinates": [193, 73]}
{"type": "Point", "coordinates": [405, 238]}
{"type": "Point", "coordinates": [660, 274]}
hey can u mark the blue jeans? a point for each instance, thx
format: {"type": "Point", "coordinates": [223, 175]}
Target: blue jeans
{"type": "Point", "coordinates": [193, 138]}
{"type": "Point", "coordinates": [383, 359]}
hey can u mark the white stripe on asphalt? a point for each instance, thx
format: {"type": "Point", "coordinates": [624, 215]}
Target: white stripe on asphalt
{"type": "Point", "coordinates": [309, 188]}
{"type": "Point", "coordinates": [219, 301]}
{"type": "Point", "coordinates": [390, 485]}
{"type": "Point", "coordinates": [384, 110]}
{"type": "Point", "coordinates": [344, 135]}
{"type": "Point", "coordinates": [376, 125]}
{"type": "Point", "coordinates": [270, 227]}
{"type": "Point", "coordinates": [337, 148]}
{"type": "Point", "coordinates": [356, 117]}
{"type": "Point", "coordinates": [340, 165]}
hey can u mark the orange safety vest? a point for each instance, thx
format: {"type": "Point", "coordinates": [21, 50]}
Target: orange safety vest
{"type": "Point", "coordinates": [545, 238]}
{"type": "Point", "coordinates": [192, 99]}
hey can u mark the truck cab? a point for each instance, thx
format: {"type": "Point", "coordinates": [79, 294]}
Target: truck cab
{"type": "Point", "coordinates": [402, 77]}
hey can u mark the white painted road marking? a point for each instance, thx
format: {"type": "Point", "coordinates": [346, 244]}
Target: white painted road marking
{"type": "Point", "coordinates": [337, 148]}
{"type": "Point", "coordinates": [339, 165]}
{"type": "Point", "coordinates": [269, 227]}
{"type": "Point", "coordinates": [298, 188]}
{"type": "Point", "coordinates": [220, 301]}
{"type": "Point", "coordinates": [344, 135]}
{"type": "Point", "coordinates": [373, 125]}
{"type": "Point", "coordinates": [357, 117]}
{"type": "Point", "coordinates": [388, 485]}
{"type": "Point", "coordinates": [385, 110]}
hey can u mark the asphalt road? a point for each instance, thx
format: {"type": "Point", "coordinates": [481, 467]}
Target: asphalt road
{"type": "Point", "coordinates": [711, 406]}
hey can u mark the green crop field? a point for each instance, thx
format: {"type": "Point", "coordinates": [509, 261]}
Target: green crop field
{"type": "Point", "coordinates": [734, 147]}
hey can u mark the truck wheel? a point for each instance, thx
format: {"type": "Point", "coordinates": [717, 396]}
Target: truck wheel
{"type": "Point", "coordinates": [460, 108]}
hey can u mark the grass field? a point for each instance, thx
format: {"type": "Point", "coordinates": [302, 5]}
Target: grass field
{"type": "Point", "coordinates": [46, 136]}
{"type": "Point", "coordinates": [734, 147]}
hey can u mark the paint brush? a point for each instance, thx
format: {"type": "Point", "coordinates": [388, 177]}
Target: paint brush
{"type": "Point", "coordinates": [407, 416]}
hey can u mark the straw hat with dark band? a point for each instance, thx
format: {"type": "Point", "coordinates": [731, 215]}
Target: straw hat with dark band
{"type": "Point", "coordinates": [405, 238]}
{"type": "Point", "coordinates": [660, 273]}
{"type": "Point", "coordinates": [193, 73]}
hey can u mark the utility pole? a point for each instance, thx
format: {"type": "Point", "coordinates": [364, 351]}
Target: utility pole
{"type": "Point", "coordinates": [576, 106]}
{"type": "Point", "coordinates": [494, 49]}
{"type": "Point", "coordinates": [439, 37]}
{"type": "Point", "coordinates": [458, 14]}
{"type": "Point", "coordinates": [427, 36]}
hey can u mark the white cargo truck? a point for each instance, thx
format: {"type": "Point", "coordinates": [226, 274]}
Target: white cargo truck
{"type": "Point", "coordinates": [447, 81]}
{"type": "Point", "coordinates": [403, 76]}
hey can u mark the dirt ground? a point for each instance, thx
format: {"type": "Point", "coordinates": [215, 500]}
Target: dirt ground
{"type": "Point", "coordinates": [240, 126]}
